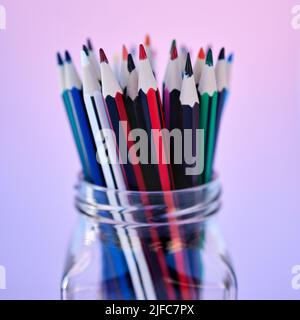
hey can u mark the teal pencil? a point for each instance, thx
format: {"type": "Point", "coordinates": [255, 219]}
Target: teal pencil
{"type": "Point", "coordinates": [69, 110]}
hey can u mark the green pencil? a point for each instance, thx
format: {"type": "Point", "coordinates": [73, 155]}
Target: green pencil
{"type": "Point", "coordinates": [208, 110]}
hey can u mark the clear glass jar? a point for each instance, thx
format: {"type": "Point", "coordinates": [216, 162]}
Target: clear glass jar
{"type": "Point", "coordinates": [148, 245]}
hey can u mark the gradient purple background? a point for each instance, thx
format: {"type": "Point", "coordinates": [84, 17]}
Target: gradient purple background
{"type": "Point", "coordinates": [258, 158]}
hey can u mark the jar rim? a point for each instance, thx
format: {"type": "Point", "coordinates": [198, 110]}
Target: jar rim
{"type": "Point", "coordinates": [185, 205]}
{"type": "Point", "coordinates": [215, 182]}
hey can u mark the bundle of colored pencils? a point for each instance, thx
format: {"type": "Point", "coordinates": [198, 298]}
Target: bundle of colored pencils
{"type": "Point", "coordinates": [125, 98]}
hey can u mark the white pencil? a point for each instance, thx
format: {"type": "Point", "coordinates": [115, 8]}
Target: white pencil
{"type": "Point", "coordinates": [93, 60]}
{"type": "Point", "coordinates": [199, 65]}
{"type": "Point", "coordinates": [115, 180]}
{"type": "Point", "coordinates": [123, 77]}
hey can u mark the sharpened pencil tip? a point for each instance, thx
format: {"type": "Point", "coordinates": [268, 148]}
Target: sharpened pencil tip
{"type": "Point", "coordinates": [209, 47]}
{"type": "Point", "coordinates": [209, 58]}
{"type": "Point", "coordinates": [84, 58]}
{"type": "Point", "coordinates": [133, 51]}
{"type": "Point", "coordinates": [173, 43]}
{"type": "Point", "coordinates": [147, 40]}
{"type": "Point", "coordinates": [60, 61]}
{"type": "Point", "coordinates": [130, 63]}
{"type": "Point", "coordinates": [183, 49]}
{"type": "Point", "coordinates": [89, 44]}
{"type": "Point", "coordinates": [230, 58]}
{"type": "Point", "coordinates": [103, 57]}
{"type": "Point", "coordinates": [124, 53]}
{"type": "Point", "coordinates": [222, 54]}
{"type": "Point", "coordinates": [68, 56]}
{"type": "Point", "coordinates": [188, 66]}
{"type": "Point", "coordinates": [201, 54]}
{"type": "Point", "coordinates": [174, 53]}
{"type": "Point", "coordinates": [85, 49]}
{"type": "Point", "coordinates": [142, 54]}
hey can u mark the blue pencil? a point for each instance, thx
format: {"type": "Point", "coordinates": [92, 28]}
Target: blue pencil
{"type": "Point", "coordinates": [75, 95]}
{"type": "Point", "coordinates": [85, 142]}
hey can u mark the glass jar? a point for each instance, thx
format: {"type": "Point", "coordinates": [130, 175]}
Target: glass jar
{"type": "Point", "coordinates": [148, 245]}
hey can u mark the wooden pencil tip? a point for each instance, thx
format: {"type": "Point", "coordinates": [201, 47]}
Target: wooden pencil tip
{"type": "Point", "coordinates": [133, 51]}
{"type": "Point", "coordinates": [85, 49]}
{"type": "Point", "coordinates": [84, 58]}
{"type": "Point", "coordinates": [68, 56]}
{"type": "Point", "coordinates": [183, 50]}
{"type": "Point", "coordinates": [103, 57]}
{"type": "Point", "coordinates": [209, 58]}
{"type": "Point", "coordinates": [147, 40]}
{"type": "Point", "coordinates": [188, 66]}
{"type": "Point", "coordinates": [124, 53]}
{"type": "Point", "coordinates": [89, 44]}
{"type": "Point", "coordinates": [60, 61]}
{"type": "Point", "coordinates": [201, 54]}
{"type": "Point", "coordinates": [209, 47]}
{"type": "Point", "coordinates": [130, 63]}
{"type": "Point", "coordinates": [142, 53]}
{"type": "Point", "coordinates": [174, 53]}
{"type": "Point", "coordinates": [222, 54]}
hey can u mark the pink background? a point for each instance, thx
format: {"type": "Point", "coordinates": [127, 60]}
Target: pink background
{"type": "Point", "coordinates": [259, 152]}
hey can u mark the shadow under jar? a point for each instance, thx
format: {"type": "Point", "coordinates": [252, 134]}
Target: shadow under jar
{"type": "Point", "coordinates": [148, 245]}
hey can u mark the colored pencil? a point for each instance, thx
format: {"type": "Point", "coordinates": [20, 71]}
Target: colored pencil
{"type": "Point", "coordinates": [199, 65]}
{"type": "Point", "coordinates": [150, 52]}
{"type": "Point", "coordinates": [222, 86]}
{"type": "Point", "coordinates": [123, 78]}
{"type": "Point", "coordinates": [182, 57]}
{"type": "Point", "coordinates": [114, 102]}
{"type": "Point", "coordinates": [152, 111]}
{"type": "Point", "coordinates": [70, 113]}
{"type": "Point", "coordinates": [171, 89]}
{"type": "Point", "coordinates": [93, 59]}
{"type": "Point", "coordinates": [208, 110]}
{"type": "Point", "coordinates": [189, 103]}
{"type": "Point", "coordinates": [150, 173]}
{"type": "Point", "coordinates": [115, 180]}
{"type": "Point", "coordinates": [74, 94]}
{"type": "Point", "coordinates": [230, 60]}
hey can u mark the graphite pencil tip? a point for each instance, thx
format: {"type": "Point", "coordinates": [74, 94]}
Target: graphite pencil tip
{"type": "Point", "coordinates": [68, 56]}
{"type": "Point", "coordinates": [89, 44]}
{"type": "Point", "coordinates": [174, 53]}
{"type": "Point", "coordinates": [222, 54]}
{"type": "Point", "coordinates": [147, 40]}
{"type": "Point", "coordinates": [85, 49]}
{"type": "Point", "coordinates": [209, 58]}
{"type": "Point", "coordinates": [130, 63]}
{"type": "Point", "coordinates": [60, 61]}
{"type": "Point", "coordinates": [230, 58]}
{"type": "Point", "coordinates": [201, 54]}
{"type": "Point", "coordinates": [103, 57]}
{"type": "Point", "coordinates": [188, 66]}
{"type": "Point", "coordinates": [142, 53]}
{"type": "Point", "coordinates": [124, 52]}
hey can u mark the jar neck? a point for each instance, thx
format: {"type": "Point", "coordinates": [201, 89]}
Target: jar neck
{"type": "Point", "coordinates": [148, 208]}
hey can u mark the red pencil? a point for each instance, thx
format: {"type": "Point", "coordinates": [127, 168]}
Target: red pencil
{"type": "Point", "coordinates": [152, 108]}
{"type": "Point", "coordinates": [115, 106]}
